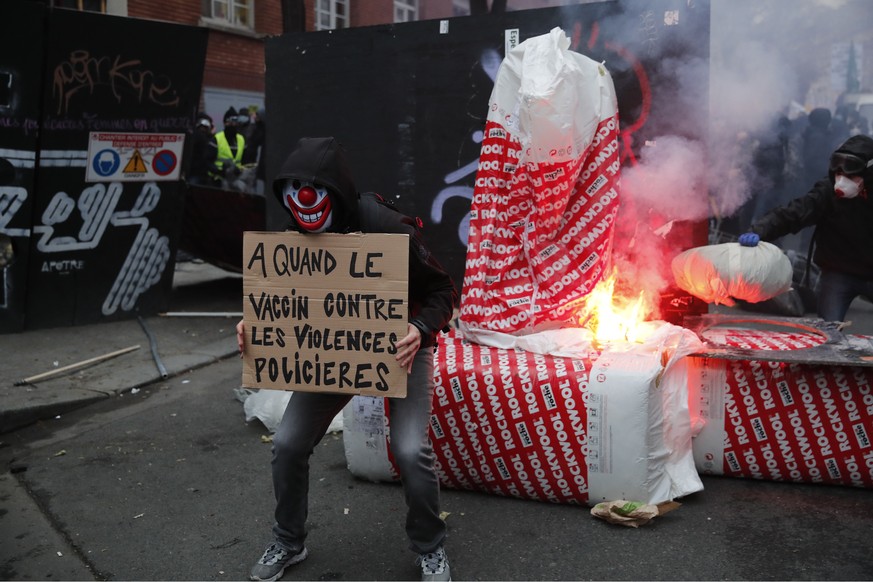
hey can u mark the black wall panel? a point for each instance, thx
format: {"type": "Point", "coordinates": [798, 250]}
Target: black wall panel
{"type": "Point", "coordinates": [409, 101]}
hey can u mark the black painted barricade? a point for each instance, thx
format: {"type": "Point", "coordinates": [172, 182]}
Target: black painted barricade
{"type": "Point", "coordinates": [96, 222]}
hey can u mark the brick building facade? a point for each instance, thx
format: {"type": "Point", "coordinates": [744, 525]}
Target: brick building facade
{"type": "Point", "coordinates": [234, 73]}
{"type": "Point", "coordinates": [235, 70]}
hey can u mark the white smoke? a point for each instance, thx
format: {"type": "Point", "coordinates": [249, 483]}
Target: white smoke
{"type": "Point", "coordinates": [760, 66]}
{"type": "Point", "coordinates": [670, 179]}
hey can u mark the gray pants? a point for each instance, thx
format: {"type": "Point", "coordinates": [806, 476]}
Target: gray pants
{"type": "Point", "coordinates": [305, 422]}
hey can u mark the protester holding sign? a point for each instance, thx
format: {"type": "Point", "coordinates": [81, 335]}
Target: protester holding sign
{"type": "Point", "coordinates": [315, 186]}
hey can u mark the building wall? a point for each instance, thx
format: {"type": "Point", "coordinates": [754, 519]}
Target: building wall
{"type": "Point", "coordinates": [235, 59]}
{"type": "Point", "coordinates": [170, 11]}
{"type": "Point", "coordinates": [373, 12]}
{"type": "Point", "coordinates": [268, 17]}
{"type": "Point", "coordinates": [234, 62]}
{"type": "Point", "coordinates": [430, 9]}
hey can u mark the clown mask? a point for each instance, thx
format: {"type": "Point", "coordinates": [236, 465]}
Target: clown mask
{"type": "Point", "coordinates": [309, 204]}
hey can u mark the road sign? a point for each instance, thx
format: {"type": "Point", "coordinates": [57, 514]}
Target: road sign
{"type": "Point", "coordinates": [134, 157]}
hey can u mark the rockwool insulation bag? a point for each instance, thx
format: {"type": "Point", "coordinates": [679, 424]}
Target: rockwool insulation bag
{"type": "Point", "coordinates": [725, 272]}
{"type": "Point", "coordinates": [801, 423]}
{"type": "Point", "coordinates": [535, 426]}
{"type": "Point", "coordinates": [546, 190]}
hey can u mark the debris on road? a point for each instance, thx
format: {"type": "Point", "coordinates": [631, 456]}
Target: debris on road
{"type": "Point", "coordinates": [631, 513]}
{"type": "Point", "coordinates": [94, 360]}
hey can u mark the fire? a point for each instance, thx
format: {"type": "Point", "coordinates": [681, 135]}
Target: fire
{"type": "Point", "coordinates": [612, 318]}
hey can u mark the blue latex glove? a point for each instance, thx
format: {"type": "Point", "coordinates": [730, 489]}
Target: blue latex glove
{"type": "Point", "coordinates": [749, 239]}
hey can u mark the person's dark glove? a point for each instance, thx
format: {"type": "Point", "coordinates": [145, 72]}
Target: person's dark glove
{"type": "Point", "coordinates": [749, 239]}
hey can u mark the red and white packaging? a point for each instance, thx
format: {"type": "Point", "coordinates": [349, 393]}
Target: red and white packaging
{"type": "Point", "coordinates": [533, 426]}
{"type": "Point", "coordinates": [546, 191]}
{"type": "Point", "coordinates": [782, 422]}
{"type": "Point", "coordinates": [522, 405]}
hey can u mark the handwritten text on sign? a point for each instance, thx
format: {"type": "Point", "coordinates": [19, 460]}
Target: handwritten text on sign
{"type": "Point", "coordinates": [324, 312]}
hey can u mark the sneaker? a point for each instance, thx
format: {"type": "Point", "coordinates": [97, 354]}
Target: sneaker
{"type": "Point", "coordinates": [434, 566]}
{"type": "Point", "coordinates": [272, 564]}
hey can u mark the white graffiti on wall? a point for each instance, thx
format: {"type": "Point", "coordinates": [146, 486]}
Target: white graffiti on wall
{"type": "Point", "coordinates": [96, 205]}
{"type": "Point", "coordinates": [18, 158]}
{"type": "Point", "coordinates": [11, 199]}
{"type": "Point", "coordinates": [147, 257]}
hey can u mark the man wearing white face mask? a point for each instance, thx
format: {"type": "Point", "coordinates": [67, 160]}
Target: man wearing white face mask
{"type": "Point", "coordinates": [841, 209]}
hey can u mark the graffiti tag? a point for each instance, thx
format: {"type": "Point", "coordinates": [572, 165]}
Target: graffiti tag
{"type": "Point", "coordinates": [83, 73]}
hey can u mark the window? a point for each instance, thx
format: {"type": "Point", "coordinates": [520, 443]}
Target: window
{"type": "Point", "coordinates": [89, 5]}
{"type": "Point", "coordinates": [405, 10]}
{"type": "Point", "coordinates": [331, 14]}
{"type": "Point", "coordinates": [238, 13]}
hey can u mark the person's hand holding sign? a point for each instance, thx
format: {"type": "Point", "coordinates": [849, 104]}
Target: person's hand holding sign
{"type": "Point", "coordinates": [240, 337]}
{"type": "Point", "coordinates": [408, 346]}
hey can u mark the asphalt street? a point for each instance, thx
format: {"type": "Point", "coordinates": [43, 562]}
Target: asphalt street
{"type": "Point", "coordinates": [171, 483]}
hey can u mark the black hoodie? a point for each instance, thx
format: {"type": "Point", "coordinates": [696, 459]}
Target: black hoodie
{"type": "Point", "coordinates": [322, 160]}
{"type": "Point", "coordinates": [844, 227]}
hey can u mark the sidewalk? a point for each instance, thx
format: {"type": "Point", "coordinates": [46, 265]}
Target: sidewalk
{"type": "Point", "coordinates": [181, 342]}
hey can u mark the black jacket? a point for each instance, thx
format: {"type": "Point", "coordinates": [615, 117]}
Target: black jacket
{"type": "Point", "coordinates": [204, 151]}
{"type": "Point", "coordinates": [432, 294]}
{"type": "Point", "coordinates": [843, 227]}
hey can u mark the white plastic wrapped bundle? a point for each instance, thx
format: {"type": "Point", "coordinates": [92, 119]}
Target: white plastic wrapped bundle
{"type": "Point", "coordinates": [725, 272]}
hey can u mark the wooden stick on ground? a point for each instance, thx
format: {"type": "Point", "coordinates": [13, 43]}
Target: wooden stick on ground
{"type": "Point", "coordinates": [94, 360]}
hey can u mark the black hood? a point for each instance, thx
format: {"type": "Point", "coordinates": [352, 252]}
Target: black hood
{"type": "Point", "coordinates": [322, 160]}
{"type": "Point", "coordinates": [820, 118]}
{"type": "Point", "coordinates": [861, 146]}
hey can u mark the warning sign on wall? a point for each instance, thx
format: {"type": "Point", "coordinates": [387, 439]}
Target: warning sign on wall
{"type": "Point", "coordinates": [134, 157]}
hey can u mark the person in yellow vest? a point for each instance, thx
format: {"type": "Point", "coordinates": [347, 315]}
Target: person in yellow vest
{"type": "Point", "coordinates": [231, 145]}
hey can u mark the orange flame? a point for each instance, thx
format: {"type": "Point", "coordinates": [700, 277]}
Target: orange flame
{"type": "Point", "coordinates": [612, 318]}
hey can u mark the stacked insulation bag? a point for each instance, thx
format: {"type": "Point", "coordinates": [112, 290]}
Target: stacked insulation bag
{"type": "Point", "coordinates": [780, 421]}
{"type": "Point", "coordinates": [577, 429]}
{"type": "Point", "coordinates": [546, 193]}
{"type": "Point", "coordinates": [523, 405]}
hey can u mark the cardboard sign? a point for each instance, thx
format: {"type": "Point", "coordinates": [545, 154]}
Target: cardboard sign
{"type": "Point", "coordinates": [323, 312]}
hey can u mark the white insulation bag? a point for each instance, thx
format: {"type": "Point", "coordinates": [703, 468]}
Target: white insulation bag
{"type": "Point", "coordinates": [725, 272]}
